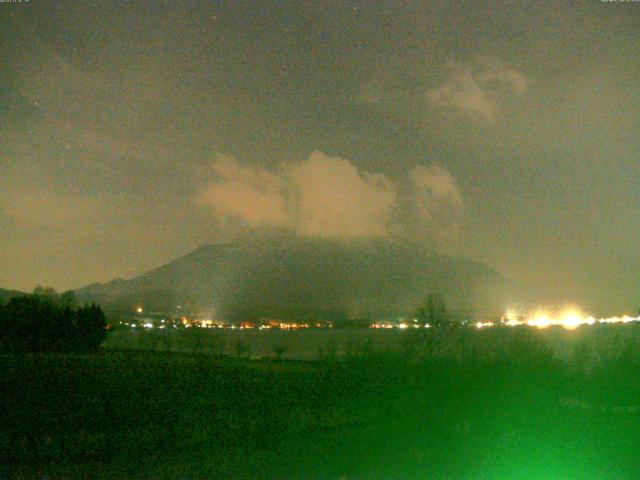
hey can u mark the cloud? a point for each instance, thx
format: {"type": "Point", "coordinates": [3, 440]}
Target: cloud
{"type": "Point", "coordinates": [430, 207]}
{"type": "Point", "coordinates": [333, 198]}
{"type": "Point", "coordinates": [321, 196]}
{"type": "Point", "coordinates": [249, 193]}
{"type": "Point", "coordinates": [438, 204]}
{"type": "Point", "coordinates": [330, 197]}
{"type": "Point", "coordinates": [435, 189]}
{"type": "Point", "coordinates": [477, 87]}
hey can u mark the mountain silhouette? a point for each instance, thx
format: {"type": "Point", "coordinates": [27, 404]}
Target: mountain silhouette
{"type": "Point", "coordinates": [287, 276]}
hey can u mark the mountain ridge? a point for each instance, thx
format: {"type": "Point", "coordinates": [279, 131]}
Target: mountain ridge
{"type": "Point", "coordinates": [294, 277]}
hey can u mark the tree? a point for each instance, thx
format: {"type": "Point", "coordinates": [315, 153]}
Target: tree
{"type": "Point", "coordinates": [45, 293]}
{"type": "Point", "coordinates": [39, 323]}
{"type": "Point", "coordinates": [433, 311]}
{"type": "Point", "coordinates": [68, 300]}
{"type": "Point", "coordinates": [91, 327]}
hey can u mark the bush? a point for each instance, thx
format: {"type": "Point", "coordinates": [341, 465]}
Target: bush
{"type": "Point", "coordinates": [50, 323]}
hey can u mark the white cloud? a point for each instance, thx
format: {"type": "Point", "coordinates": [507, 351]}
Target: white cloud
{"type": "Point", "coordinates": [333, 198]}
{"type": "Point", "coordinates": [330, 197]}
{"type": "Point", "coordinates": [250, 193]}
{"type": "Point", "coordinates": [321, 196]}
{"type": "Point", "coordinates": [477, 87]}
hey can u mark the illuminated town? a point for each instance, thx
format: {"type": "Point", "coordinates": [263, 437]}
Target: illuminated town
{"type": "Point", "coordinates": [568, 318]}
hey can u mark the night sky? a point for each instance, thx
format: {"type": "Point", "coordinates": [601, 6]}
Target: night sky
{"type": "Point", "coordinates": [134, 132]}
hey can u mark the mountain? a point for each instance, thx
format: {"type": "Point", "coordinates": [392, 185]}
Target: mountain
{"type": "Point", "coordinates": [285, 276]}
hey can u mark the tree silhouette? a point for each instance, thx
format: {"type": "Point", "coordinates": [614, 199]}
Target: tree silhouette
{"type": "Point", "coordinates": [68, 300]}
{"type": "Point", "coordinates": [45, 321]}
{"type": "Point", "coordinates": [90, 326]}
{"type": "Point", "coordinates": [433, 311]}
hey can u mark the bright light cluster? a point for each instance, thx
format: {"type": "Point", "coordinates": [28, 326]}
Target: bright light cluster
{"type": "Point", "coordinates": [484, 324]}
{"type": "Point", "coordinates": [570, 318]}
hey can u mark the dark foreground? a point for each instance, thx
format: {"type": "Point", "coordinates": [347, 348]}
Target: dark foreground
{"type": "Point", "coordinates": [161, 415]}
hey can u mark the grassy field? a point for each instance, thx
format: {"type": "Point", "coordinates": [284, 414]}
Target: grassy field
{"type": "Point", "coordinates": [586, 346]}
{"type": "Point", "coordinates": [520, 414]}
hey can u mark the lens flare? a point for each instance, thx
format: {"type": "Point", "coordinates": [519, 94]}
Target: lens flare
{"type": "Point", "coordinates": [512, 314]}
{"type": "Point", "coordinates": [480, 325]}
{"type": "Point", "coordinates": [570, 318]}
{"type": "Point", "coordinates": [540, 320]}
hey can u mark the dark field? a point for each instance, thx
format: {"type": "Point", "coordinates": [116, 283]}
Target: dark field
{"type": "Point", "coordinates": [521, 414]}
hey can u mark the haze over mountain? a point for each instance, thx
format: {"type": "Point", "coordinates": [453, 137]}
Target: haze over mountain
{"type": "Point", "coordinates": [289, 276]}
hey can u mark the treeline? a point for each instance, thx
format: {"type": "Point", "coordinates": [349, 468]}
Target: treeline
{"type": "Point", "coordinates": [47, 322]}
{"type": "Point", "coordinates": [433, 311]}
